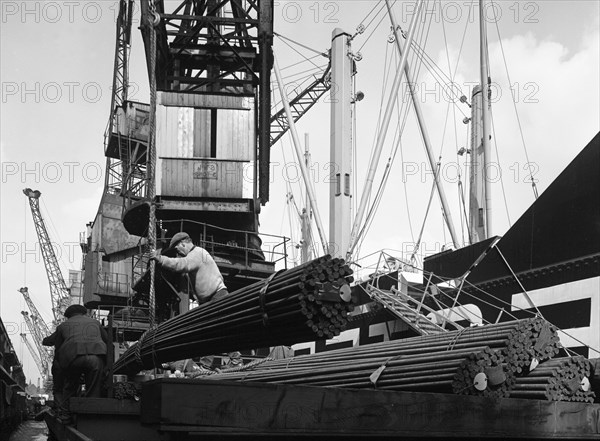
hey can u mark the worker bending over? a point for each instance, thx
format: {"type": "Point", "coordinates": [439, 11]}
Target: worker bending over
{"type": "Point", "coordinates": [80, 348]}
{"type": "Point", "coordinates": [198, 264]}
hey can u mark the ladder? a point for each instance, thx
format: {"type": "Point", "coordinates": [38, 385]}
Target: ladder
{"type": "Point", "coordinates": [408, 309]}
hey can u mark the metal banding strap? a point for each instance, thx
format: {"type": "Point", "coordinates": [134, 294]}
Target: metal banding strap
{"type": "Point", "coordinates": [377, 372]}
{"type": "Point", "coordinates": [261, 298]}
{"type": "Point", "coordinates": [137, 350]}
{"type": "Point", "coordinates": [455, 339]}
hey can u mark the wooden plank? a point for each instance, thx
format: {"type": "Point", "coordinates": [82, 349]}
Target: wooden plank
{"type": "Point", "coordinates": [202, 101]}
{"type": "Point", "coordinates": [257, 408]}
{"type": "Point", "coordinates": [202, 131]}
{"type": "Point", "coordinates": [201, 178]}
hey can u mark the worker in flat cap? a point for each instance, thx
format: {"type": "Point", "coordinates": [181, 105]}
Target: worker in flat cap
{"type": "Point", "coordinates": [80, 347]}
{"type": "Point", "coordinates": [198, 264]}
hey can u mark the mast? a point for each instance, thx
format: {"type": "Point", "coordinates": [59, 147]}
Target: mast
{"type": "Point", "coordinates": [476, 174]}
{"type": "Point", "coordinates": [340, 147]}
{"type": "Point", "coordinates": [306, 253]}
{"type": "Point", "coordinates": [485, 120]}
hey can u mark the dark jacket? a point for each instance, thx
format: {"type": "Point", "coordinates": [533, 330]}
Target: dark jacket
{"type": "Point", "coordinates": [79, 335]}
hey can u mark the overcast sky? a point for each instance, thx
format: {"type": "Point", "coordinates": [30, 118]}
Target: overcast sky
{"type": "Point", "coordinates": [56, 73]}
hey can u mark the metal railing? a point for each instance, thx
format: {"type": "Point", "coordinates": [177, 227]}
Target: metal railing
{"type": "Point", "coordinates": [114, 282]}
{"type": "Point", "coordinates": [277, 244]}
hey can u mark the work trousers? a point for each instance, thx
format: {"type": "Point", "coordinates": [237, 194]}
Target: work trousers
{"type": "Point", "coordinates": [58, 383]}
{"type": "Point", "coordinates": [92, 367]}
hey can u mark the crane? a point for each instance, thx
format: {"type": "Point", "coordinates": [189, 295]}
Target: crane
{"type": "Point", "coordinates": [45, 356]}
{"type": "Point", "coordinates": [58, 288]}
{"type": "Point", "coordinates": [43, 368]}
{"type": "Point", "coordinates": [44, 328]}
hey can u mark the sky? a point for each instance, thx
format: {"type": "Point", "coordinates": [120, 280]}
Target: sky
{"type": "Point", "coordinates": [56, 73]}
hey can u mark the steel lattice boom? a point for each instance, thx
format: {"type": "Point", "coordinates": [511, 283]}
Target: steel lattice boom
{"type": "Point", "coordinates": [45, 329]}
{"type": "Point", "coordinates": [45, 355]}
{"type": "Point", "coordinates": [58, 288]}
{"type": "Point", "coordinates": [299, 105]}
{"type": "Point", "coordinates": [42, 367]}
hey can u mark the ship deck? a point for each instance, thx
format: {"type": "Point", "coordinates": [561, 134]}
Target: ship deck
{"type": "Point", "coordinates": [176, 408]}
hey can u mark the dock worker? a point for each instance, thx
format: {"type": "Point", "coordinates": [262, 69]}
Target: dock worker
{"type": "Point", "coordinates": [198, 264]}
{"type": "Point", "coordinates": [80, 348]}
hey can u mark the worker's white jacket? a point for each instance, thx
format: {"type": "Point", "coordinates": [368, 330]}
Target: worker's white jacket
{"type": "Point", "coordinates": [202, 270]}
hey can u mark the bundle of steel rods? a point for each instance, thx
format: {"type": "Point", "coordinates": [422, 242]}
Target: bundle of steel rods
{"type": "Point", "coordinates": [559, 379]}
{"type": "Point", "coordinates": [484, 373]}
{"type": "Point", "coordinates": [534, 339]}
{"type": "Point", "coordinates": [447, 362]}
{"type": "Point", "coordinates": [308, 302]}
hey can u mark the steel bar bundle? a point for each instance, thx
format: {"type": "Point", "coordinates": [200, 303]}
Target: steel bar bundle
{"type": "Point", "coordinates": [559, 379]}
{"type": "Point", "coordinates": [533, 339]}
{"type": "Point", "coordinates": [447, 362]}
{"type": "Point", "coordinates": [497, 336]}
{"type": "Point", "coordinates": [301, 304]}
{"type": "Point", "coordinates": [484, 373]}
{"type": "Point", "coordinates": [428, 371]}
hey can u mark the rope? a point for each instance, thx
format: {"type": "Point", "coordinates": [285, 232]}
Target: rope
{"type": "Point", "coordinates": [154, 19]}
{"type": "Point", "coordinates": [245, 367]}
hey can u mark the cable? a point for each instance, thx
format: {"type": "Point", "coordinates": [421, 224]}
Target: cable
{"type": "Point", "coordinates": [299, 53]}
{"type": "Point", "coordinates": [499, 168]}
{"type": "Point", "coordinates": [533, 185]}
{"type": "Point", "coordinates": [322, 54]}
{"type": "Point", "coordinates": [374, 29]}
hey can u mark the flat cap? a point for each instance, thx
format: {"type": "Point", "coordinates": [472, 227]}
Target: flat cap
{"type": "Point", "coordinates": [75, 309]}
{"type": "Point", "coordinates": [178, 237]}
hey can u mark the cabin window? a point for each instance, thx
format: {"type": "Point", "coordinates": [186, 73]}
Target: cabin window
{"type": "Point", "coordinates": [213, 133]}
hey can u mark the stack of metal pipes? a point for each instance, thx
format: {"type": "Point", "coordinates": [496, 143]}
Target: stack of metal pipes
{"type": "Point", "coordinates": [308, 302]}
{"type": "Point", "coordinates": [559, 379]}
{"type": "Point", "coordinates": [471, 361]}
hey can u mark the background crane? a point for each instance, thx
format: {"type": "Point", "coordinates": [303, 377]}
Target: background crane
{"type": "Point", "coordinates": [45, 355]}
{"type": "Point", "coordinates": [43, 368]}
{"type": "Point", "coordinates": [44, 328]}
{"type": "Point", "coordinates": [58, 288]}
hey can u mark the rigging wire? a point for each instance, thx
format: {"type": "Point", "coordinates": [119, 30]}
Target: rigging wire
{"type": "Point", "coordinates": [499, 169]}
{"type": "Point", "coordinates": [462, 192]}
{"type": "Point", "coordinates": [368, 14]}
{"type": "Point", "coordinates": [403, 114]}
{"type": "Point", "coordinates": [375, 28]}
{"type": "Point", "coordinates": [458, 168]}
{"type": "Point", "coordinates": [435, 71]}
{"type": "Point", "coordinates": [277, 103]}
{"type": "Point", "coordinates": [418, 242]}
{"type": "Point", "coordinates": [308, 74]}
{"type": "Point", "coordinates": [284, 38]}
{"type": "Point", "coordinates": [533, 185]}
{"type": "Point", "coordinates": [385, 80]}
{"type": "Point", "coordinates": [297, 63]}
{"type": "Point", "coordinates": [299, 53]}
